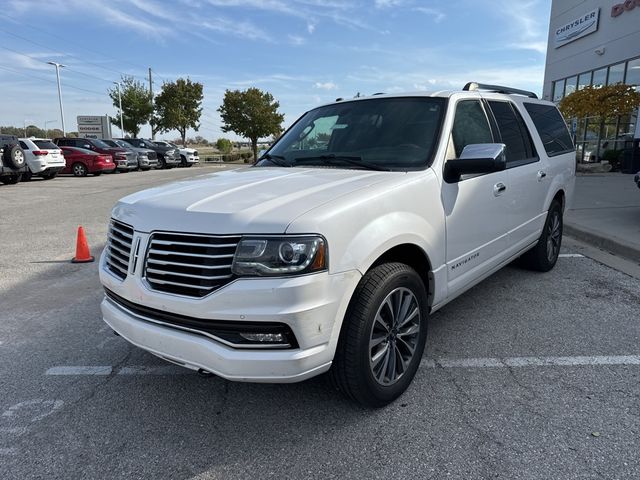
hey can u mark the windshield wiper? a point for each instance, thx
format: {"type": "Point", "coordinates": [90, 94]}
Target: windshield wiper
{"type": "Point", "coordinates": [333, 159]}
{"type": "Point", "coordinates": [278, 160]}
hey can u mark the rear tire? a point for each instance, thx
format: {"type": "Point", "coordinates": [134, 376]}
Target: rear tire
{"type": "Point", "coordinates": [79, 169]}
{"type": "Point", "coordinates": [383, 336]}
{"type": "Point", "coordinates": [49, 176]}
{"type": "Point", "coordinates": [11, 180]}
{"type": "Point", "coordinates": [544, 255]}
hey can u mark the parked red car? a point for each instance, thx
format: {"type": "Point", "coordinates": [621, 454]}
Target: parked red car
{"type": "Point", "coordinates": [81, 161]}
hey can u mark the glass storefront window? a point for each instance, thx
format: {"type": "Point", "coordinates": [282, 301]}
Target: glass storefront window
{"type": "Point", "coordinates": [616, 74]}
{"type": "Point", "coordinates": [599, 78]}
{"type": "Point", "coordinates": [633, 72]}
{"type": "Point", "coordinates": [570, 86]}
{"type": "Point", "coordinates": [558, 90]}
{"type": "Point", "coordinates": [584, 80]}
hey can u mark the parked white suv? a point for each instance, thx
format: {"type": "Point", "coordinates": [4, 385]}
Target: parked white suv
{"type": "Point", "coordinates": [330, 253]}
{"type": "Point", "coordinates": [188, 156]}
{"type": "Point", "coordinates": [43, 157]}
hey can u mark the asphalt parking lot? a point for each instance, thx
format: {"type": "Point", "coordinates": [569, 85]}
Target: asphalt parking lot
{"type": "Point", "coordinates": [526, 376]}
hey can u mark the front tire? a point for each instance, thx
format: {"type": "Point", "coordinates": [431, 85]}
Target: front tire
{"type": "Point", "coordinates": [162, 164]}
{"type": "Point", "coordinates": [544, 255]}
{"type": "Point", "coordinates": [383, 336]}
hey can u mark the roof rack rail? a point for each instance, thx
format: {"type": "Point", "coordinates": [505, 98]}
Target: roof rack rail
{"type": "Point", "coordinates": [471, 86]}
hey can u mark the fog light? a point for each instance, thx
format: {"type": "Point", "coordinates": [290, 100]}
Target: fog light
{"type": "Point", "coordinates": [264, 337]}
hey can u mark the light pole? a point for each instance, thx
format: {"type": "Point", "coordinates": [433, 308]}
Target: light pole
{"type": "Point", "coordinates": [47, 122]}
{"type": "Point", "coordinates": [58, 66]}
{"type": "Point", "coordinates": [120, 102]}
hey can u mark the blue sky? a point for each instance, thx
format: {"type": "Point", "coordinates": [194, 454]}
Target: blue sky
{"type": "Point", "coordinates": [305, 52]}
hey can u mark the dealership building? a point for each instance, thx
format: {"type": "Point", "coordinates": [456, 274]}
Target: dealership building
{"type": "Point", "coordinates": [594, 42]}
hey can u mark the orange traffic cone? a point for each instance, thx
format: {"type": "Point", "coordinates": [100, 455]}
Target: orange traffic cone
{"type": "Point", "coordinates": [82, 248]}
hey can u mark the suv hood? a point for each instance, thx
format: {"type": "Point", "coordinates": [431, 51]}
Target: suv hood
{"type": "Point", "coordinates": [246, 200]}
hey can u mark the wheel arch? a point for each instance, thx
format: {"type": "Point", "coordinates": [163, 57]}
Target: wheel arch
{"type": "Point", "coordinates": [414, 256]}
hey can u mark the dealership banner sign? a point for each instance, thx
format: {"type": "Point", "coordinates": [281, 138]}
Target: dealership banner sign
{"type": "Point", "coordinates": [578, 28]}
{"type": "Point", "coordinates": [94, 126]}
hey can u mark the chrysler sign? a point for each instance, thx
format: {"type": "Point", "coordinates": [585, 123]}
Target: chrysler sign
{"type": "Point", "coordinates": [578, 28]}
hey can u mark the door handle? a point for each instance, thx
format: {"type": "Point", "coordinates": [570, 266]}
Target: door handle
{"type": "Point", "coordinates": [541, 174]}
{"type": "Point", "coordinates": [499, 188]}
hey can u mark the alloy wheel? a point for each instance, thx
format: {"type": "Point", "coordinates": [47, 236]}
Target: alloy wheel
{"type": "Point", "coordinates": [553, 237]}
{"type": "Point", "coordinates": [394, 336]}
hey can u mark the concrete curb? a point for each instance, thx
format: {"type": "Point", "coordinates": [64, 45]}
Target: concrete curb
{"type": "Point", "coordinates": [600, 241]}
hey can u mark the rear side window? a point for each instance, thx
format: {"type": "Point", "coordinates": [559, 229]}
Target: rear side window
{"type": "Point", "coordinates": [46, 144]}
{"type": "Point", "coordinates": [551, 127]}
{"type": "Point", "coordinates": [23, 145]}
{"type": "Point", "coordinates": [514, 133]}
{"type": "Point", "coordinates": [470, 125]}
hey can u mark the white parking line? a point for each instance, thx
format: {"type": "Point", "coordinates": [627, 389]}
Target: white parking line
{"type": "Point", "coordinates": [80, 370]}
{"type": "Point", "coordinates": [489, 362]}
{"type": "Point", "coordinates": [147, 370]}
{"type": "Point", "coordinates": [570, 255]}
{"type": "Point", "coordinates": [107, 370]}
{"type": "Point", "coordinates": [510, 362]}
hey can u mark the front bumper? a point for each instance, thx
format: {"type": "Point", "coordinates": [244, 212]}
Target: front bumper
{"type": "Point", "coordinates": [313, 306]}
{"type": "Point", "coordinates": [125, 165]}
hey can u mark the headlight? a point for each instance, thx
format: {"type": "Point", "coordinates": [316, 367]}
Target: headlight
{"type": "Point", "coordinates": [271, 257]}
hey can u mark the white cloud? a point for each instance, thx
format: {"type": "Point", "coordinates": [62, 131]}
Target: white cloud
{"type": "Point", "coordinates": [296, 40]}
{"type": "Point", "coordinates": [437, 15]}
{"type": "Point", "coordinates": [388, 3]}
{"type": "Point", "coordinates": [325, 85]}
{"type": "Point", "coordinates": [311, 28]}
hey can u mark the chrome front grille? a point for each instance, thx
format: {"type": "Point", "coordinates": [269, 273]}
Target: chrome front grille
{"type": "Point", "coordinates": [189, 264]}
{"type": "Point", "coordinates": [119, 241]}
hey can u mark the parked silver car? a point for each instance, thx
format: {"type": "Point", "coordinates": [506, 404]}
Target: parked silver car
{"type": "Point", "coordinates": [147, 158]}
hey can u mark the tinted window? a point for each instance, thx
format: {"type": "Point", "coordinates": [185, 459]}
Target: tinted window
{"type": "Point", "coordinates": [46, 144]}
{"type": "Point", "coordinates": [551, 127]}
{"type": "Point", "coordinates": [23, 145]}
{"type": "Point", "coordinates": [513, 132]}
{"type": "Point", "coordinates": [470, 125]}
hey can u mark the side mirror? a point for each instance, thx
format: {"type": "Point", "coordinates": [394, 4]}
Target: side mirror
{"type": "Point", "coordinates": [476, 158]}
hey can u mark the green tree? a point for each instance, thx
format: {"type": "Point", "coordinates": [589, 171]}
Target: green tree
{"type": "Point", "coordinates": [252, 114]}
{"type": "Point", "coordinates": [601, 102]}
{"type": "Point", "coordinates": [224, 145]}
{"type": "Point", "coordinates": [179, 107]}
{"type": "Point", "coordinates": [136, 105]}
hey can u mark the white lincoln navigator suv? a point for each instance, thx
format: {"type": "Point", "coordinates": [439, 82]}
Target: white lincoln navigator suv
{"type": "Point", "coordinates": [331, 251]}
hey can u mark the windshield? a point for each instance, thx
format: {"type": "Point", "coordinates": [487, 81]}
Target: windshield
{"type": "Point", "coordinates": [111, 143]}
{"type": "Point", "coordinates": [122, 143]}
{"type": "Point", "coordinates": [100, 144]}
{"type": "Point", "coordinates": [384, 133]}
